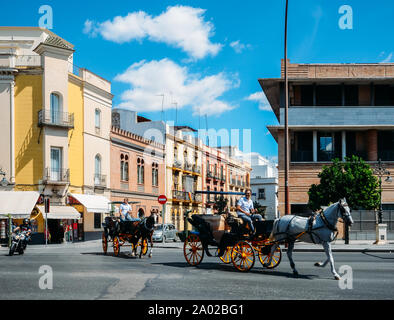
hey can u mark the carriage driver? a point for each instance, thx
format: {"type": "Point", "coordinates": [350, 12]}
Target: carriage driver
{"type": "Point", "coordinates": [125, 210]}
{"type": "Point", "coordinates": [245, 210]}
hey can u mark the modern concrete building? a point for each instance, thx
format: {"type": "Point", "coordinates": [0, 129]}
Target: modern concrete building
{"type": "Point", "coordinates": [54, 126]}
{"type": "Point", "coordinates": [335, 110]}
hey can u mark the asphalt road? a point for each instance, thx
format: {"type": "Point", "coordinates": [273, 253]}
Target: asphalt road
{"type": "Point", "coordinates": [84, 272]}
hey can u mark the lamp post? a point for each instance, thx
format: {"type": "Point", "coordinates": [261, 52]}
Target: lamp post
{"type": "Point", "coordinates": [381, 229]}
{"type": "Point", "coordinates": [287, 196]}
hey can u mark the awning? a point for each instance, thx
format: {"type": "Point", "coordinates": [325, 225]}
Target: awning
{"type": "Point", "coordinates": [17, 203]}
{"type": "Point", "coordinates": [93, 203]}
{"type": "Point", "coordinates": [60, 212]}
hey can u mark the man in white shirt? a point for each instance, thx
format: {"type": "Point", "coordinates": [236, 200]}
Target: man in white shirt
{"type": "Point", "coordinates": [245, 210]}
{"type": "Point", "coordinates": [125, 211]}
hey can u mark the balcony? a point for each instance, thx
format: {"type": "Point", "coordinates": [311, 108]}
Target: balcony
{"type": "Point", "coordinates": [327, 155]}
{"type": "Point", "coordinates": [100, 180]}
{"type": "Point", "coordinates": [386, 155]}
{"type": "Point", "coordinates": [184, 196]}
{"type": "Point", "coordinates": [196, 169]}
{"type": "Point", "coordinates": [188, 166]}
{"type": "Point", "coordinates": [56, 175]}
{"type": "Point", "coordinates": [209, 175]}
{"type": "Point", "coordinates": [177, 164]}
{"type": "Point", "coordinates": [301, 156]}
{"type": "Point", "coordinates": [339, 116]}
{"type": "Point", "coordinates": [28, 61]}
{"type": "Point", "coordinates": [55, 119]}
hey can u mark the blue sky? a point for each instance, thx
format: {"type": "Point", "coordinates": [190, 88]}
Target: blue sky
{"type": "Point", "coordinates": [214, 70]}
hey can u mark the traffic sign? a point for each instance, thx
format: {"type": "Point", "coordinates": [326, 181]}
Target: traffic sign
{"type": "Point", "coordinates": [162, 199]}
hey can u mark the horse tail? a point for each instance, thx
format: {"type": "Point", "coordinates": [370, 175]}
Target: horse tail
{"type": "Point", "coordinates": [274, 229]}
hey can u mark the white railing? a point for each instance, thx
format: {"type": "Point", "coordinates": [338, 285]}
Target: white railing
{"type": "Point", "coordinates": [28, 61]}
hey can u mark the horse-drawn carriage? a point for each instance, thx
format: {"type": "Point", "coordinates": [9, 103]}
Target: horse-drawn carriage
{"type": "Point", "coordinates": [232, 241]}
{"type": "Point", "coordinates": [120, 233]}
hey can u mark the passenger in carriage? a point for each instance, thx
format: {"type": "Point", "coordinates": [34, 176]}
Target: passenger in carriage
{"type": "Point", "coordinates": [125, 211]}
{"type": "Point", "coordinates": [245, 211]}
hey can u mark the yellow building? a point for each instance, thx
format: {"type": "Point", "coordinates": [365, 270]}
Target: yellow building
{"type": "Point", "coordinates": [55, 129]}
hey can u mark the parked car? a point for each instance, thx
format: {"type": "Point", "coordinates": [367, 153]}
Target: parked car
{"type": "Point", "coordinates": [170, 232]}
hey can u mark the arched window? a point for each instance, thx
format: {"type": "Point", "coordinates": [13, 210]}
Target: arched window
{"type": "Point", "coordinates": [140, 171]}
{"type": "Point", "coordinates": [97, 169]}
{"type": "Point", "coordinates": [155, 174]}
{"type": "Point", "coordinates": [55, 108]}
{"type": "Point", "coordinates": [124, 167]}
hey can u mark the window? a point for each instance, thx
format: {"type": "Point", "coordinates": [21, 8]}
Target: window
{"type": "Point", "coordinates": [55, 108]}
{"type": "Point", "coordinates": [97, 170]}
{"type": "Point", "coordinates": [97, 120]}
{"type": "Point", "coordinates": [56, 164]}
{"type": "Point", "coordinates": [124, 167]}
{"type": "Point", "coordinates": [97, 220]}
{"type": "Point", "coordinates": [261, 194]}
{"type": "Point", "coordinates": [140, 171]}
{"type": "Point", "coordinates": [155, 174]}
{"type": "Point", "coordinates": [329, 95]}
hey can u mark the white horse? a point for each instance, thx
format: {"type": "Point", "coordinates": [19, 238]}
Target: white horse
{"type": "Point", "coordinates": [319, 229]}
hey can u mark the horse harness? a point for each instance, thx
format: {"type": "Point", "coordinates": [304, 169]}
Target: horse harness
{"type": "Point", "coordinates": [310, 229]}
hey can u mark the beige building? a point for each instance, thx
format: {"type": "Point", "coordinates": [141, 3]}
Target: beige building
{"type": "Point", "coordinates": [53, 141]}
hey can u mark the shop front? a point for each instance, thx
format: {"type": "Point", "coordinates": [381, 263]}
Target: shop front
{"type": "Point", "coordinates": [92, 209]}
{"type": "Point", "coordinates": [14, 207]}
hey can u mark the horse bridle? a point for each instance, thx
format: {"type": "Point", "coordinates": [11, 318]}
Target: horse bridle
{"type": "Point", "coordinates": [344, 214]}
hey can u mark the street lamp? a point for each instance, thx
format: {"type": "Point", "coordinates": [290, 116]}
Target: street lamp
{"type": "Point", "coordinates": [381, 171]}
{"type": "Point", "coordinates": [287, 196]}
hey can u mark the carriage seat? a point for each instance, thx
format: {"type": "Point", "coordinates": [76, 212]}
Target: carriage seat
{"type": "Point", "coordinates": [264, 228]}
{"type": "Point", "coordinates": [127, 226]}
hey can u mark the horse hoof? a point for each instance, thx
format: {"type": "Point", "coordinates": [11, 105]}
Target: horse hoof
{"type": "Point", "coordinates": [317, 264]}
{"type": "Point", "coordinates": [150, 256]}
{"type": "Point", "coordinates": [337, 277]}
{"type": "Point", "coordinates": [295, 273]}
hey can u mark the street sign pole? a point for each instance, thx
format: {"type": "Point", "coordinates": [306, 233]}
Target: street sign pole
{"type": "Point", "coordinates": [164, 219]}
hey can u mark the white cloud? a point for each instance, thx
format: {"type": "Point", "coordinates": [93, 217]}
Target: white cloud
{"type": "Point", "coordinates": [150, 79]}
{"type": "Point", "coordinates": [388, 58]}
{"type": "Point", "coordinates": [179, 26]}
{"type": "Point", "coordinates": [260, 97]}
{"type": "Point", "coordinates": [238, 46]}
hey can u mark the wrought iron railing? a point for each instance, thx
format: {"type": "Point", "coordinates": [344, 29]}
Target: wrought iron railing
{"type": "Point", "coordinates": [57, 174]}
{"type": "Point", "coordinates": [100, 180]}
{"type": "Point", "coordinates": [58, 119]}
{"type": "Point", "coordinates": [177, 164]}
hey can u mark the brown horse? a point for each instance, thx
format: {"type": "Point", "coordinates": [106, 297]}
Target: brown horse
{"type": "Point", "coordinates": [144, 231]}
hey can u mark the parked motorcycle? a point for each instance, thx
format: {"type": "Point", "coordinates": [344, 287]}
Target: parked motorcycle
{"type": "Point", "coordinates": [19, 242]}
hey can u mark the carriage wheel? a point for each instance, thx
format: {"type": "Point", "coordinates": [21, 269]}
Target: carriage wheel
{"type": "Point", "coordinates": [226, 257]}
{"type": "Point", "coordinates": [104, 243]}
{"type": "Point", "coordinates": [116, 246]}
{"type": "Point", "coordinates": [276, 258]}
{"type": "Point", "coordinates": [242, 256]}
{"type": "Point", "coordinates": [193, 250]}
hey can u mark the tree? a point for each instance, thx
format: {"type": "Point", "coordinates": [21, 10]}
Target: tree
{"type": "Point", "coordinates": [352, 179]}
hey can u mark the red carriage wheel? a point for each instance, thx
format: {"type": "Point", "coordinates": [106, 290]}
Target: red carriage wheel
{"type": "Point", "coordinates": [265, 253]}
{"type": "Point", "coordinates": [116, 246]}
{"type": "Point", "coordinates": [242, 256]}
{"type": "Point", "coordinates": [193, 250]}
{"type": "Point", "coordinates": [104, 243]}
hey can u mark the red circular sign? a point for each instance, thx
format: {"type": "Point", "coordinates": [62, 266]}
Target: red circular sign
{"type": "Point", "coordinates": [162, 199]}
